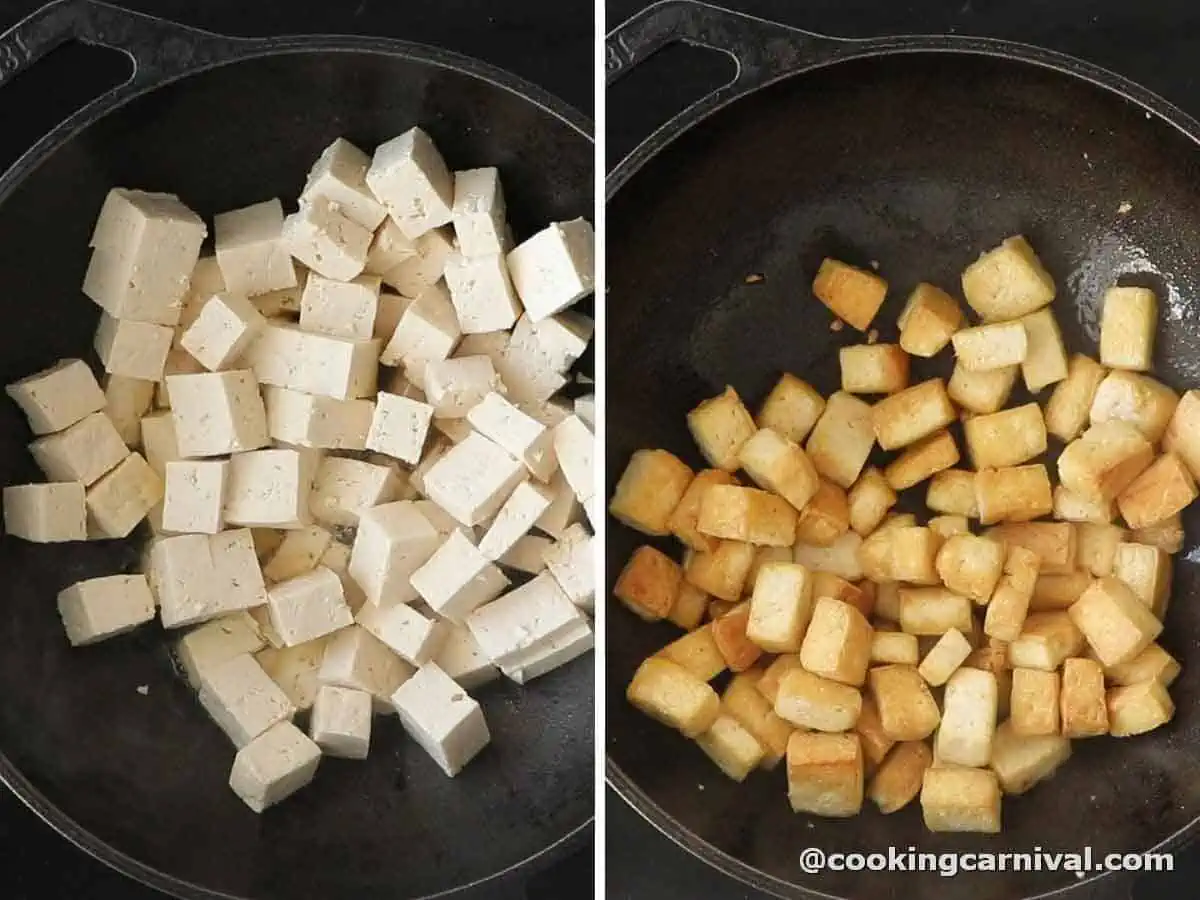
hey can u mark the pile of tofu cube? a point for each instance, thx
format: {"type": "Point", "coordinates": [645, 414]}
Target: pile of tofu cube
{"type": "Point", "coordinates": [347, 431]}
{"type": "Point", "coordinates": [956, 658]}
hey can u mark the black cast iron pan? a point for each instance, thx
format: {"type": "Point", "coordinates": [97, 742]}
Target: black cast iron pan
{"type": "Point", "coordinates": [140, 781]}
{"type": "Point", "coordinates": [918, 153]}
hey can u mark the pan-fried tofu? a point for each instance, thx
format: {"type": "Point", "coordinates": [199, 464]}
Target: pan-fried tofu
{"type": "Point", "coordinates": [1053, 592]}
{"type": "Point", "coordinates": [851, 294]}
{"type": "Point", "coordinates": [905, 417]}
{"type": "Point", "coordinates": [840, 558]}
{"type": "Point", "coordinates": [956, 798]}
{"type": "Point", "coordinates": [735, 513]}
{"type": "Point", "coordinates": [697, 652]}
{"type": "Point", "coordinates": [1115, 623]}
{"type": "Point", "coordinates": [1160, 492]}
{"type": "Point", "coordinates": [898, 520]}
{"type": "Point", "coordinates": [1021, 761]}
{"type": "Point", "coordinates": [670, 694]}
{"type": "Point", "coordinates": [825, 774]}
{"type": "Point", "coordinates": [1006, 438]}
{"type": "Point", "coordinates": [952, 492]}
{"type": "Point", "coordinates": [1146, 571]}
{"type": "Point", "coordinates": [792, 408]}
{"type": "Point", "coordinates": [722, 573]}
{"type": "Point", "coordinates": [1016, 494]}
{"type": "Point", "coordinates": [776, 464]}
{"type": "Point", "coordinates": [837, 643]}
{"type": "Point", "coordinates": [842, 439]}
{"type": "Point", "coordinates": [932, 611]}
{"type": "Point", "coordinates": [1144, 403]}
{"type": "Point", "coordinates": [780, 607]}
{"type": "Point", "coordinates": [1183, 432]}
{"type": "Point", "coordinates": [1054, 543]}
{"type": "Point", "coordinates": [1046, 359]}
{"type": "Point", "coordinates": [817, 704]}
{"type": "Point", "coordinates": [971, 566]}
{"type": "Point", "coordinates": [968, 719]}
{"type": "Point", "coordinates": [732, 746]}
{"type": "Point", "coordinates": [720, 426]}
{"type": "Point", "coordinates": [1046, 640]}
{"type": "Point", "coordinates": [875, 742]}
{"type": "Point", "coordinates": [1166, 535]}
{"type": "Point", "coordinates": [1071, 403]}
{"type": "Point", "coordinates": [762, 556]}
{"type": "Point", "coordinates": [773, 675]}
{"type": "Point", "coordinates": [1098, 547]}
{"type": "Point", "coordinates": [1152, 664]}
{"type": "Point", "coordinates": [944, 658]}
{"type": "Point", "coordinates": [690, 605]}
{"type": "Point", "coordinates": [729, 633]}
{"type": "Point", "coordinates": [1127, 326]}
{"type": "Point", "coordinates": [898, 779]}
{"type": "Point", "coordinates": [948, 526]}
{"type": "Point", "coordinates": [1069, 507]}
{"type": "Point", "coordinates": [894, 647]}
{"type": "Point", "coordinates": [1009, 605]}
{"type": "Point", "coordinates": [985, 348]}
{"type": "Point", "coordinates": [826, 584]}
{"type": "Point", "coordinates": [649, 490]}
{"type": "Point", "coordinates": [928, 321]}
{"type": "Point", "coordinates": [1033, 709]}
{"type": "Point", "coordinates": [743, 700]}
{"type": "Point", "coordinates": [825, 518]}
{"type": "Point", "coordinates": [682, 520]}
{"type": "Point", "coordinates": [1007, 282]}
{"type": "Point", "coordinates": [1138, 708]}
{"type": "Point", "coordinates": [982, 392]}
{"type": "Point", "coordinates": [873, 369]}
{"type": "Point", "coordinates": [869, 501]}
{"type": "Point", "coordinates": [922, 460]}
{"type": "Point", "coordinates": [649, 583]}
{"type": "Point", "coordinates": [905, 554]}
{"type": "Point", "coordinates": [907, 710]}
{"type": "Point", "coordinates": [1082, 707]}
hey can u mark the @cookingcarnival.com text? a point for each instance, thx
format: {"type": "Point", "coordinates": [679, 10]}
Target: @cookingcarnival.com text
{"type": "Point", "coordinates": [949, 864]}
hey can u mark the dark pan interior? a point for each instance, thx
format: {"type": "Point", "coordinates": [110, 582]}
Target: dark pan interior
{"type": "Point", "coordinates": [918, 162]}
{"type": "Point", "coordinates": [147, 774]}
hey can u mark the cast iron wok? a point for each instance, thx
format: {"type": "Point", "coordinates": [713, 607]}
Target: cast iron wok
{"type": "Point", "coordinates": [917, 153]}
{"type": "Point", "coordinates": [140, 781]}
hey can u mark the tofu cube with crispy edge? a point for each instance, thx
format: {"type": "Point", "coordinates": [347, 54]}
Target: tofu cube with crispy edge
{"type": "Point", "coordinates": [1054, 543]}
{"type": "Point", "coordinates": [521, 511]}
{"type": "Point", "coordinates": [273, 766]}
{"type": "Point", "coordinates": [840, 558]}
{"type": "Point", "coordinates": [690, 607]}
{"type": "Point", "coordinates": [354, 658]}
{"type": "Point", "coordinates": [270, 488]}
{"type": "Point", "coordinates": [1160, 492]}
{"type": "Point", "coordinates": [875, 742]}
{"type": "Point", "coordinates": [720, 426]}
{"type": "Point", "coordinates": [1082, 708]}
{"type": "Point", "coordinates": [1007, 282]}
{"type": "Point", "coordinates": [575, 448]}
{"type": "Point", "coordinates": [932, 611]}
{"type": "Point", "coordinates": [570, 562]}
{"type": "Point", "coordinates": [898, 779]}
{"type": "Point", "coordinates": [118, 501]}
{"type": "Point", "coordinates": [326, 240]}
{"type": "Point", "coordinates": [944, 658]}
{"type": "Point", "coordinates": [780, 607]}
{"type": "Point", "coordinates": [457, 579]}
{"type": "Point", "coordinates": [929, 319]}
{"type": "Point", "coordinates": [825, 518]}
{"type": "Point", "coordinates": [341, 722]}
{"type": "Point", "coordinates": [100, 608]}
{"type": "Point", "coordinates": [299, 552]}
{"type": "Point", "coordinates": [409, 177]}
{"type": "Point", "coordinates": [1127, 325]}
{"type": "Point", "coordinates": [1137, 708]}
{"type": "Point", "coordinates": [724, 572]}
{"type": "Point", "coordinates": [195, 496]}
{"type": "Point", "coordinates": [1058, 591]}
{"type": "Point", "coordinates": [127, 400]}
{"type": "Point", "coordinates": [792, 408]}
{"type": "Point", "coordinates": [197, 577]}
{"type": "Point", "coordinates": [971, 566]}
{"type": "Point", "coordinates": [772, 675]}
{"type": "Point", "coordinates": [521, 435]}
{"type": "Point", "coordinates": [842, 439]}
{"type": "Point", "coordinates": [440, 716]}
{"type": "Point", "coordinates": [825, 774]}
{"type": "Point", "coordinates": [473, 479]}
{"type": "Point", "coordinates": [1009, 605]}
{"type": "Point", "coordinates": [837, 642]}
{"type": "Point", "coordinates": [733, 643]}
{"type": "Point", "coordinates": [1146, 571]}
{"type": "Point", "coordinates": [427, 331]}
{"type": "Point", "coordinates": [133, 349]}
{"type": "Point", "coordinates": [901, 554]}
{"type": "Point", "coordinates": [1070, 507]}
{"type": "Point", "coordinates": [216, 642]}
{"type": "Point", "coordinates": [1016, 494]}
{"type": "Point", "coordinates": [392, 542]}
{"type": "Point", "coordinates": [144, 247]}
{"type": "Point", "coordinates": [251, 252]}
{"type": "Point", "coordinates": [1115, 623]}
{"type": "Point", "coordinates": [399, 427]}
{"type": "Point", "coordinates": [1097, 547]}
{"type": "Point", "coordinates": [58, 397]}
{"type": "Point", "coordinates": [732, 746]}
{"type": "Point", "coordinates": [745, 703]}
{"type": "Point", "coordinates": [284, 356]}
{"type": "Point", "coordinates": [952, 492]}
{"type": "Point", "coordinates": [482, 292]}
{"type": "Point", "coordinates": [861, 596]}
{"type": "Point", "coordinates": [697, 652]}
{"type": "Point", "coordinates": [907, 710]}
{"type": "Point", "coordinates": [1144, 403]}
{"type": "Point", "coordinates": [894, 647]}
{"type": "Point", "coordinates": [1034, 708]}
{"type": "Point", "coordinates": [778, 465]}
{"type": "Point", "coordinates": [1046, 639]}
{"type": "Point", "coordinates": [916, 412]}
{"type": "Point", "coordinates": [670, 694]}
{"type": "Point", "coordinates": [981, 393]}
{"type": "Point", "coordinates": [948, 526]}
{"type": "Point", "coordinates": [1046, 357]}
{"type": "Point", "coordinates": [554, 269]}
{"type": "Point", "coordinates": [217, 413]}
{"type": "Point", "coordinates": [478, 212]}
{"type": "Point", "coordinates": [1153, 663]}
{"type": "Point", "coordinates": [1182, 436]}
{"type": "Point", "coordinates": [1021, 761]}
{"type": "Point", "coordinates": [675, 476]}
{"type": "Point", "coordinates": [242, 699]}
{"type": "Point", "coordinates": [1071, 403]}
{"type": "Point", "coordinates": [873, 369]}
{"type": "Point", "coordinates": [463, 659]}
{"type": "Point", "coordinates": [454, 386]}
{"type": "Point", "coordinates": [342, 308]}
{"type": "Point", "coordinates": [986, 348]}
{"type": "Point", "coordinates": [814, 703]}
{"type": "Point", "coordinates": [1166, 535]}
{"type": "Point", "coordinates": [961, 799]}
{"type": "Point", "coordinates": [306, 420]}
{"type": "Point", "coordinates": [852, 294]}
{"type": "Point", "coordinates": [922, 460]}
{"type": "Point", "coordinates": [1006, 438]}
{"type": "Point", "coordinates": [339, 174]}
{"type": "Point", "coordinates": [968, 719]}
{"type": "Point", "coordinates": [869, 500]}
{"type": "Point", "coordinates": [46, 513]}
{"type": "Point", "coordinates": [747, 514]}
{"type": "Point", "coordinates": [344, 488]}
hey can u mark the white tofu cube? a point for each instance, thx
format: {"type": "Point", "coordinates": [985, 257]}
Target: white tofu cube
{"type": "Point", "coordinates": [251, 252]}
{"type": "Point", "coordinates": [438, 447]}
{"type": "Point", "coordinates": [528, 375]}
{"type": "Point", "coordinates": [428, 330]}
{"type": "Point", "coordinates": [520, 512]}
{"type": "Point", "coordinates": [575, 447]}
{"type": "Point", "coordinates": [413, 636]}
{"type": "Point", "coordinates": [556, 652]}
{"type": "Point", "coordinates": [58, 397]}
{"type": "Point", "coordinates": [479, 212]}
{"type": "Point", "coordinates": [195, 496]}
{"type": "Point", "coordinates": [339, 175]}
{"type": "Point", "coordinates": [564, 509]}
{"type": "Point", "coordinates": [197, 577]}
{"type": "Point", "coordinates": [308, 606]}
{"type": "Point", "coordinates": [133, 349]}
{"type": "Point", "coordinates": [571, 561]}
{"type": "Point", "coordinates": [553, 269]}
{"type": "Point", "coordinates": [355, 658]}
{"type": "Point", "coordinates": [159, 444]}
{"type": "Point", "coordinates": [306, 420]}
{"type": "Point", "coordinates": [457, 579]}
{"type": "Point", "coordinates": [424, 268]}
{"type": "Point", "coordinates": [524, 618]}
{"type": "Point", "coordinates": [337, 559]}
{"type": "Point", "coordinates": [344, 488]}
{"type": "Point", "coordinates": [392, 542]}
{"type": "Point", "coordinates": [341, 722]}
{"type": "Point", "coordinates": [443, 522]}
{"type": "Point", "coordinates": [46, 513]}
{"type": "Point", "coordinates": [274, 766]}
{"type": "Point", "coordinates": [342, 308]}
{"type": "Point", "coordinates": [456, 430]}
{"type": "Point", "coordinates": [473, 479]}
{"type": "Point", "coordinates": [463, 659]}
{"type": "Point", "coordinates": [454, 386]}
{"type": "Point", "coordinates": [242, 699]}
{"type": "Point", "coordinates": [528, 554]}
{"type": "Point", "coordinates": [179, 362]}
{"type": "Point", "coordinates": [399, 427]}
{"type": "Point", "coordinates": [442, 718]}
{"type": "Point", "coordinates": [82, 452]}
{"type": "Point", "coordinates": [126, 401]}
{"type": "Point", "coordinates": [226, 326]}
{"type": "Point", "coordinates": [521, 435]}
{"type": "Point", "coordinates": [217, 642]}
{"type": "Point", "coordinates": [206, 280]}
{"type": "Point", "coordinates": [482, 292]}
{"type": "Point", "coordinates": [295, 669]}
{"type": "Point", "coordinates": [119, 501]}
{"type": "Point", "coordinates": [409, 177]}
{"type": "Point", "coordinates": [284, 356]}
{"type": "Point", "coordinates": [145, 246]}
{"type": "Point", "coordinates": [299, 552]}
{"type": "Point", "coordinates": [326, 241]}
{"type": "Point", "coordinates": [270, 488]}
{"type": "Point", "coordinates": [216, 413]}
{"type": "Point", "coordinates": [561, 339]}
{"type": "Point", "coordinates": [387, 316]}
{"type": "Point", "coordinates": [99, 608]}
{"type": "Point", "coordinates": [390, 247]}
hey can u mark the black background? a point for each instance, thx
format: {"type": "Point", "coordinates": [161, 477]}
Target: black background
{"type": "Point", "coordinates": [1154, 42]}
{"type": "Point", "coordinates": [550, 43]}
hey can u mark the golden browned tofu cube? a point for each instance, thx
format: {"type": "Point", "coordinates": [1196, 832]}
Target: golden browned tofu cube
{"type": "Point", "coordinates": [837, 643]}
{"type": "Point", "coordinates": [869, 500]}
{"type": "Point", "coordinates": [875, 742]}
{"type": "Point", "coordinates": [898, 520]}
{"type": "Point", "coordinates": [932, 611]}
{"type": "Point", "coordinates": [986, 348]}
{"type": "Point", "coordinates": [898, 779]}
{"type": "Point", "coordinates": [791, 409]}
{"type": "Point", "coordinates": [1034, 706]}
{"type": "Point", "coordinates": [732, 746]}
{"type": "Point", "coordinates": [1070, 507]}
{"type": "Point", "coordinates": [1046, 359]}
{"type": "Point", "coordinates": [723, 572]}
{"type": "Point", "coordinates": [697, 652]}
{"type": "Point", "coordinates": [1021, 761]}
{"type": "Point", "coordinates": [682, 521]}
{"type": "Point", "coordinates": [729, 633]}
{"type": "Point", "coordinates": [1071, 403]}
{"type": "Point", "coordinates": [1082, 707]}
{"type": "Point", "coordinates": [1144, 403]}
{"type": "Point", "coordinates": [928, 321]}
{"type": "Point", "coordinates": [842, 439]}
{"type": "Point", "coordinates": [923, 459]}
{"type": "Point", "coordinates": [672, 695]}
{"type": "Point", "coordinates": [1138, 708]}
{"type": "Point", "coordinates": [1098, 547]}
{"type": "Point", "coordinates": [982, 392]}
{"type": "Point", "coordinates": [948, 526]}
{"type": "Point", "coordinates": [743, 700]}
{"type": "Point", "coordinates": [690, 605]}
{"type": "Point", "coordinates": [1009, 606]}
{"type": "Point", "coordinates": [861, 596]}
{"type": "Point", "coordinates": [894, 647]}
{"type": "Point", "coordinates": [1007, 282]}
{"type": "Point", "coordinates": [1183, 432]}
{"type": "Point", "coordinates": [1152, 664]}
{"type": "Point", "coordinates": [839, 558]}
{"type": "Point", "coordinates": [649, 490]}
{"type": "Point", "coordinates": [1166, 535]}
{"type": "Point", "coordinates": [780, 607]}
{"type": "Point", "coordinates": [735, 513]}
{"type": "Point", "coordinates": [901, 554]}
{"type": "Point", "coordinates": [991, 656]}
{"type": "Point", "coordinates": [1146, 571]}
{"type": "Point", "coordinates": [907, 710]}
{"type": "Point", "coordinates": [1053, 592]}
{"type": "Point", "coordinates": [916, 412]}
{"type": "Point", "coordinates": [1054, 543]}
{"type": "Point", "coordinates": [649, 583]}
{"type": "Point", "coordinates": [720, 426]}
{"type": "Point", "coordinates": [1006, 438]}
{"type": "Point", "coordinates": [718, 608]}
{"type": "Point", "coordinates": [968, 719]}
{"type": "Point", "coordinates": [944, 658]}
{"type": "Point", "coordinates": [873, 369]}
{"type": "Point", "coordinates": [851, 294]}
{"type": "Point", "coordinates": [1017, 494]}
{"type": "Point", "coordinates": [761, 558]}
{"type": "Point", "coordinates": [768, 684]}
{"type": "Point", "coordinates": [1160, 492]}
{"type": "Point", "coordinates": [955, 798]}
{"type": "Point", "coordinates": [1127, 326]}
{"type": "Point", "coordinates": [810, 701]}
{"type": "Point", "coordinates": [971, 566]}
{"type": "Point", "coordinates": [952, 492]}
{"type": "Point", "coordinates": [776, 464]}
{"type": "Point", "coordinates": [825, 774]}
{"type": "Point", "coordinates": [826, 517]}
{"type": "Point", "coordinates": [1046, 639]}
{"type": "Point", "coordinates": [1114, 622]}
